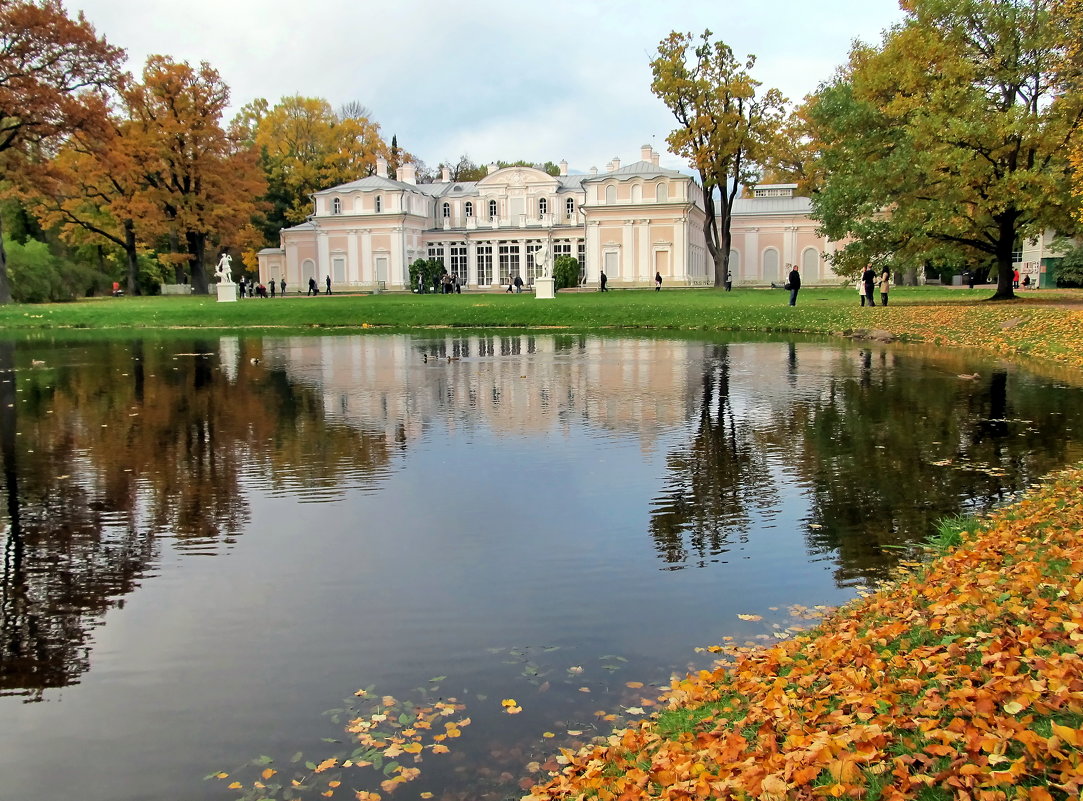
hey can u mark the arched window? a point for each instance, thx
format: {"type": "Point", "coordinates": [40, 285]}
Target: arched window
{"type": "Point", "coordinates": [379, 204]}
{"type": "Point", "coordinates": [661, 193]}
{"type": "Point", "coordinates": [469, 209]}
{"type": "Point", "coordinates": [492, 209]}
{"type": "Point", "coordinates": [611, 194]}
{"type": "Point", "coordinates": [770, 265]}
{"type": "Point", "coordinates": [735, 264]}
{"type": "Point", "coordinates": [543, 207]}
{"type": "Point", "coordinates": [810, 264]}
{"type": "Point", "coordinates": [447, 210]}
{"type": "Point", "coordinates": [336, 206]}
{"type": "Point", "coordinates": [569, 206]}
{"type": "Point", "coordinates": [636, 193]}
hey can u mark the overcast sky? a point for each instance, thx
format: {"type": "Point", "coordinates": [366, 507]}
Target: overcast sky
{"type": "Point", "coordinates": [494, 79]}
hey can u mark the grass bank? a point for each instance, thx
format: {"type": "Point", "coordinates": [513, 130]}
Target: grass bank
{"type": "Point", "coordinates": [962, 679]}
{"type": "Point", "coordinates": [1043, 324]}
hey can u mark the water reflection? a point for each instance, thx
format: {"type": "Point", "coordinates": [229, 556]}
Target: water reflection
{"type": "Point", "coordinates": [117, 452]}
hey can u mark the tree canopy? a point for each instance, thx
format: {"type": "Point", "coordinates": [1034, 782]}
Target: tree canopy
{"type": "Point", "coordinates": [54, 71]}
{"type": "Point", "coordinates": [949, 140]}
{"type": "Point", "coordinates": [725, 125]}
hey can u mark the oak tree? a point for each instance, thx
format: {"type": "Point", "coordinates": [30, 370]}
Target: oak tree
{"type": "Point", "coordinates": [54, 71]}
{"type": "Point", "coordinates": [948, 141]}
{"type": "Point", "coordinates": [725, 124]}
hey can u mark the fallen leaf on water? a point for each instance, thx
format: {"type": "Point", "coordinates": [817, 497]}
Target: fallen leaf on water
{"type": "Point", "coordinates": [635, 685]}
{"type": "Point", "coordinates": [750, 617]}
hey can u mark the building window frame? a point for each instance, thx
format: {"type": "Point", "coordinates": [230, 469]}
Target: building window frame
{"type": "Point", "coordinates": [492, 210]}
{"type": "Point", "coordinates": [469, 209]}
{"type": "Point", "coordinates": [336, 205]}
{"type": "Point", "coordinates": [379, 204]}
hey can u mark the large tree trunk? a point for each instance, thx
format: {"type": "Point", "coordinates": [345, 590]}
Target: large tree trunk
{"type": "Point", "coordinates": [5, 287]}
{"type": "Point", "coordinates": [133, 257]}
{"type": "Point", "coordinates": [1005, 247]}
{"type": "Point", "coordinates": [197, 244]}
{"type": "Point", "coordinates": [719, 257]}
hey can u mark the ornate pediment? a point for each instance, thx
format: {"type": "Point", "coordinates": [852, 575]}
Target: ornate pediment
{"type": "Point", "coordinates": [518, 178]}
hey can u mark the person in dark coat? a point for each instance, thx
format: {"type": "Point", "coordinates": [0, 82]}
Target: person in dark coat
{"type": "Point", "coordinates": [328, 279]}
{"type": "Point", "coordinates": [793, 281]}
{"type": "Point", "coordinates": [658, 282]}
{"type": "Point", "coordinates": [312, 288]}
{"type": "Point", "coordinates": [282, 286]}
{"type": "Point", "coordinates": [602, 281]}
{"type": "Point", "coordinates": [868, 278]}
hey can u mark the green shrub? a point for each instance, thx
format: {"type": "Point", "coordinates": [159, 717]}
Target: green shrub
{"type": "Point", "coordinates": [566, 271]}
{"type": "Point", "coordinates": [36, 275]}
{"type": "Point", "coordinates": [428, 269]}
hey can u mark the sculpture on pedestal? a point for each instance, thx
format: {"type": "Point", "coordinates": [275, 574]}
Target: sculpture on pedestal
{"type": "Point", "coordinates": [224, 269]}
{"type": "Point", "coordinates": [543, 262]}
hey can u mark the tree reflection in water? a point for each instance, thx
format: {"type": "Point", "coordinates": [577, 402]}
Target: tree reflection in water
{"type": "Point", "coordinates": [101, 464]}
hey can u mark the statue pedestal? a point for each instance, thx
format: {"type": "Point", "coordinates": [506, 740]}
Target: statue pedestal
{"type": "Point", "coordinates": [227, 293]}
{"type": "Point", "coordinates": [543, 289]}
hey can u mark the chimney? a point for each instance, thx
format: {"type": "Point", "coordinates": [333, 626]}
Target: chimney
{"type": "Point", "coordinates": [654, 158]}
{"type": "Point", "coordinates": [593, 170]}
{"type": "Point", "coordinates": [563, 167]}
{"type": "Point", "coordinates": [616, 164]}
{"type": "Point", "coordinates": [491, 168]}
{"type": "Point", "coordinates": [407, 173]}
{"type": "Point", "coordinates": [646, 153]}
{"type": "Point", "coordinates": [445, 175]}
{"type": "Point", "coordinates": [609, 166]}
{"type": "Point", "coordinates": [381, 166]}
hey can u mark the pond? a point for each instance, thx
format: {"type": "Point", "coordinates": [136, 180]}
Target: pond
{"type": "Point", "coordinates": [509, 540]}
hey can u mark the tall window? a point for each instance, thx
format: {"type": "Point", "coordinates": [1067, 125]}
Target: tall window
{"type": "Point", "coordinates": [436, 251]}
{"type": "Point", "coordinates": [336, 206]}
{"type": "Point", "coordinates": [543, 207]}
{"type": "Point", "coordinates": [582, 261]}
{"type": "Point", "coordinates": [447, 210]}
{"type": "Point", "coordinates": [509, 260]}
{"type": "Point", "coordinates": [531, 265]}
{"type": "Point", "coordinates": [636, 193]}
{"type": "Point", "coordinates": [469, 209]}
{"type": "Point", "coordinates": [611, 194]}
{"type": "Point", "coordinates": [458, 261]}
{"type": "Point", "coordinates": [661, 193]}
{"type": "Point", "coordinates": [485, 265]}
{"type": "Point", "coordinates": [492, 209]}
{"type": "Point", "coordinates": [569, 206]}
{"type": "Point", "coordinates": [379, 204]}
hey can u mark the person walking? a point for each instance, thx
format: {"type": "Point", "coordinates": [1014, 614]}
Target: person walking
{"type": "Point", "coordinates": [602, 281]}
{"type": "Point", "coordinates": [511, 285]}
{"type": "Point", "coordinates": [282, 286]}
{"type": "Point", "coordinates": [793, 283]}
{"type": "Point", "coordinates": [312, 288]}
{"type": "Point", "coordinates": [328, 281]}
{"type": "Point", "coordinates": [885, 283]}
{"type": "Point", "coordinates": [658, 282]}
{"type": "Point", "coordinates": [272, 283]}
{"type": "Point", "coordinates": [518, 284]}
{"type": "Point", "coordinates": [868, 278]}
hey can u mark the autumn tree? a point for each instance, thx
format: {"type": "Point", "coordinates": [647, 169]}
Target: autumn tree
{"type": "Point", "coordinates": [1070, 14]}
{"type": "Point", "coordinates": [948, 141]}
{"type": "Point", "coordinates": [204, 187]}
{"type": "Point", "coordinates": [53, 73]}
{"type": "Point", "coordinates": [725, 124]}
{"type": "Point", "coordinates": [305, 146]}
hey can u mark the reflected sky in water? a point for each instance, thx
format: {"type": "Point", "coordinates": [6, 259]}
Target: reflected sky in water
{"type": "Point", "coordinates": [208, 542]}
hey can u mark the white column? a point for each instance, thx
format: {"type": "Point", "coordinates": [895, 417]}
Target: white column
{"type": "Point", "coordinates": [396, 268]}
{"type": "Point", "coordinates": [472, 263]}
{"type": "Point", "coordinates": [593, 253]}
{"type": "Point", "coordinates": [324, 250]}
{"type": "Point", "coordinates": [681, 266]}
{"type": "Point", "coordinates": [353, 269]}
{"type": "Point", "coordinates": [789, 245]}
{"type": "Point", "coordinates": [628, 256]}
{"type": "Point", "coordinates": [643, 248]}
{"type": "Point", "coordinates": [522, 258]}
{"type": "Point", "coordinates": [367, 267]}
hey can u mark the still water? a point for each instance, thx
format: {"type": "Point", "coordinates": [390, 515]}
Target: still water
{"type": "Point", "coordinates": [209, 544]}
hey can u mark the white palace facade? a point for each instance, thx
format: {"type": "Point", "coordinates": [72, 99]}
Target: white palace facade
{"type": "Point", "coordinates": [631, 221]}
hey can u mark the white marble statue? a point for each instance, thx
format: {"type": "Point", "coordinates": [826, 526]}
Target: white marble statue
{"type": "Point", "coordinates": [543, 262]}
{"type": "Point", "coordinates": [224, 269]}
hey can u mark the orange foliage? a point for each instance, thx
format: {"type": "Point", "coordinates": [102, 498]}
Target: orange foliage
{"type": "Point", "coordinates": [964, 675]}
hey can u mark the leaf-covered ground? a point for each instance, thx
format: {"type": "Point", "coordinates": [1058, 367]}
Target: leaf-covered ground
{"type": "Point", "coordinates": [961, 679]}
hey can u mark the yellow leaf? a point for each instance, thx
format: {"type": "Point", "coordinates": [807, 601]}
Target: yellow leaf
{"type": "Point", "coordinates": [268, 773]}
{"type": "Point", "coordinates": [750, 617]}
{"type": "Point", "coordinates": [412, 748]}
{"type": "Point", "coordinates": [1067, 733]}
{"type": "Point", "coordinates": [235, 786]}
{"type": "Point", "coordinates": [635, 685]}
{"type": "Point", "coordinates": [327, 764]}
{"type": "Point", "coordinates": [575, 732]}
{"type": "Point", "coordinates": [511, 710]}
{"type": "Point", "coordinates": [1013, 707]}
{"type": "Point", "coordinates": [508, 702]}
{"type": "Point", "coordinates": [425, 794]}
{"type": "Point", "coordinates": [440, 749]}
{"type": "Point", "coordinates": [548, 734]}
{"type": "Point", "coordinates": [334, 783]}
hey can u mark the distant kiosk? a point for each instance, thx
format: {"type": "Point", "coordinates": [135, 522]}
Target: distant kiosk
{"type": "Point", "coordinates": [227, 290]}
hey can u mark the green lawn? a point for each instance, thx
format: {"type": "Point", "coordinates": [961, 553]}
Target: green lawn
{"type": "Point", "coordinates": [818, 310]}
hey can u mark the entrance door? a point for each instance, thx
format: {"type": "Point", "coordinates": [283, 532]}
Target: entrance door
{"type": "Point", "coordinates": [381, 268]}
{"type": "Point", "coordinates": [338, 269]}
{"type": "Point", "coordinates": [612, 264]}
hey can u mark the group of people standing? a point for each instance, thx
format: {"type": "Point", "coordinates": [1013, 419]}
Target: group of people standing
{"type": "Point", "coordinates": [313, 287]}
{"type": "Point", "coordinates": [866, 286]}
{"type": "Point", "coordinates": [257, 289]}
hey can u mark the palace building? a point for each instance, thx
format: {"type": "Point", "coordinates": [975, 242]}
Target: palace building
{"type": "Point", "coordinates": [632, 221]}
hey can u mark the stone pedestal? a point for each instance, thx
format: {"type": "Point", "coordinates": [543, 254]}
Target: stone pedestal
{"type": "Point", "coordinates": [227, 293]}
{"type": "Point", "coordinates": [543, 288]}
